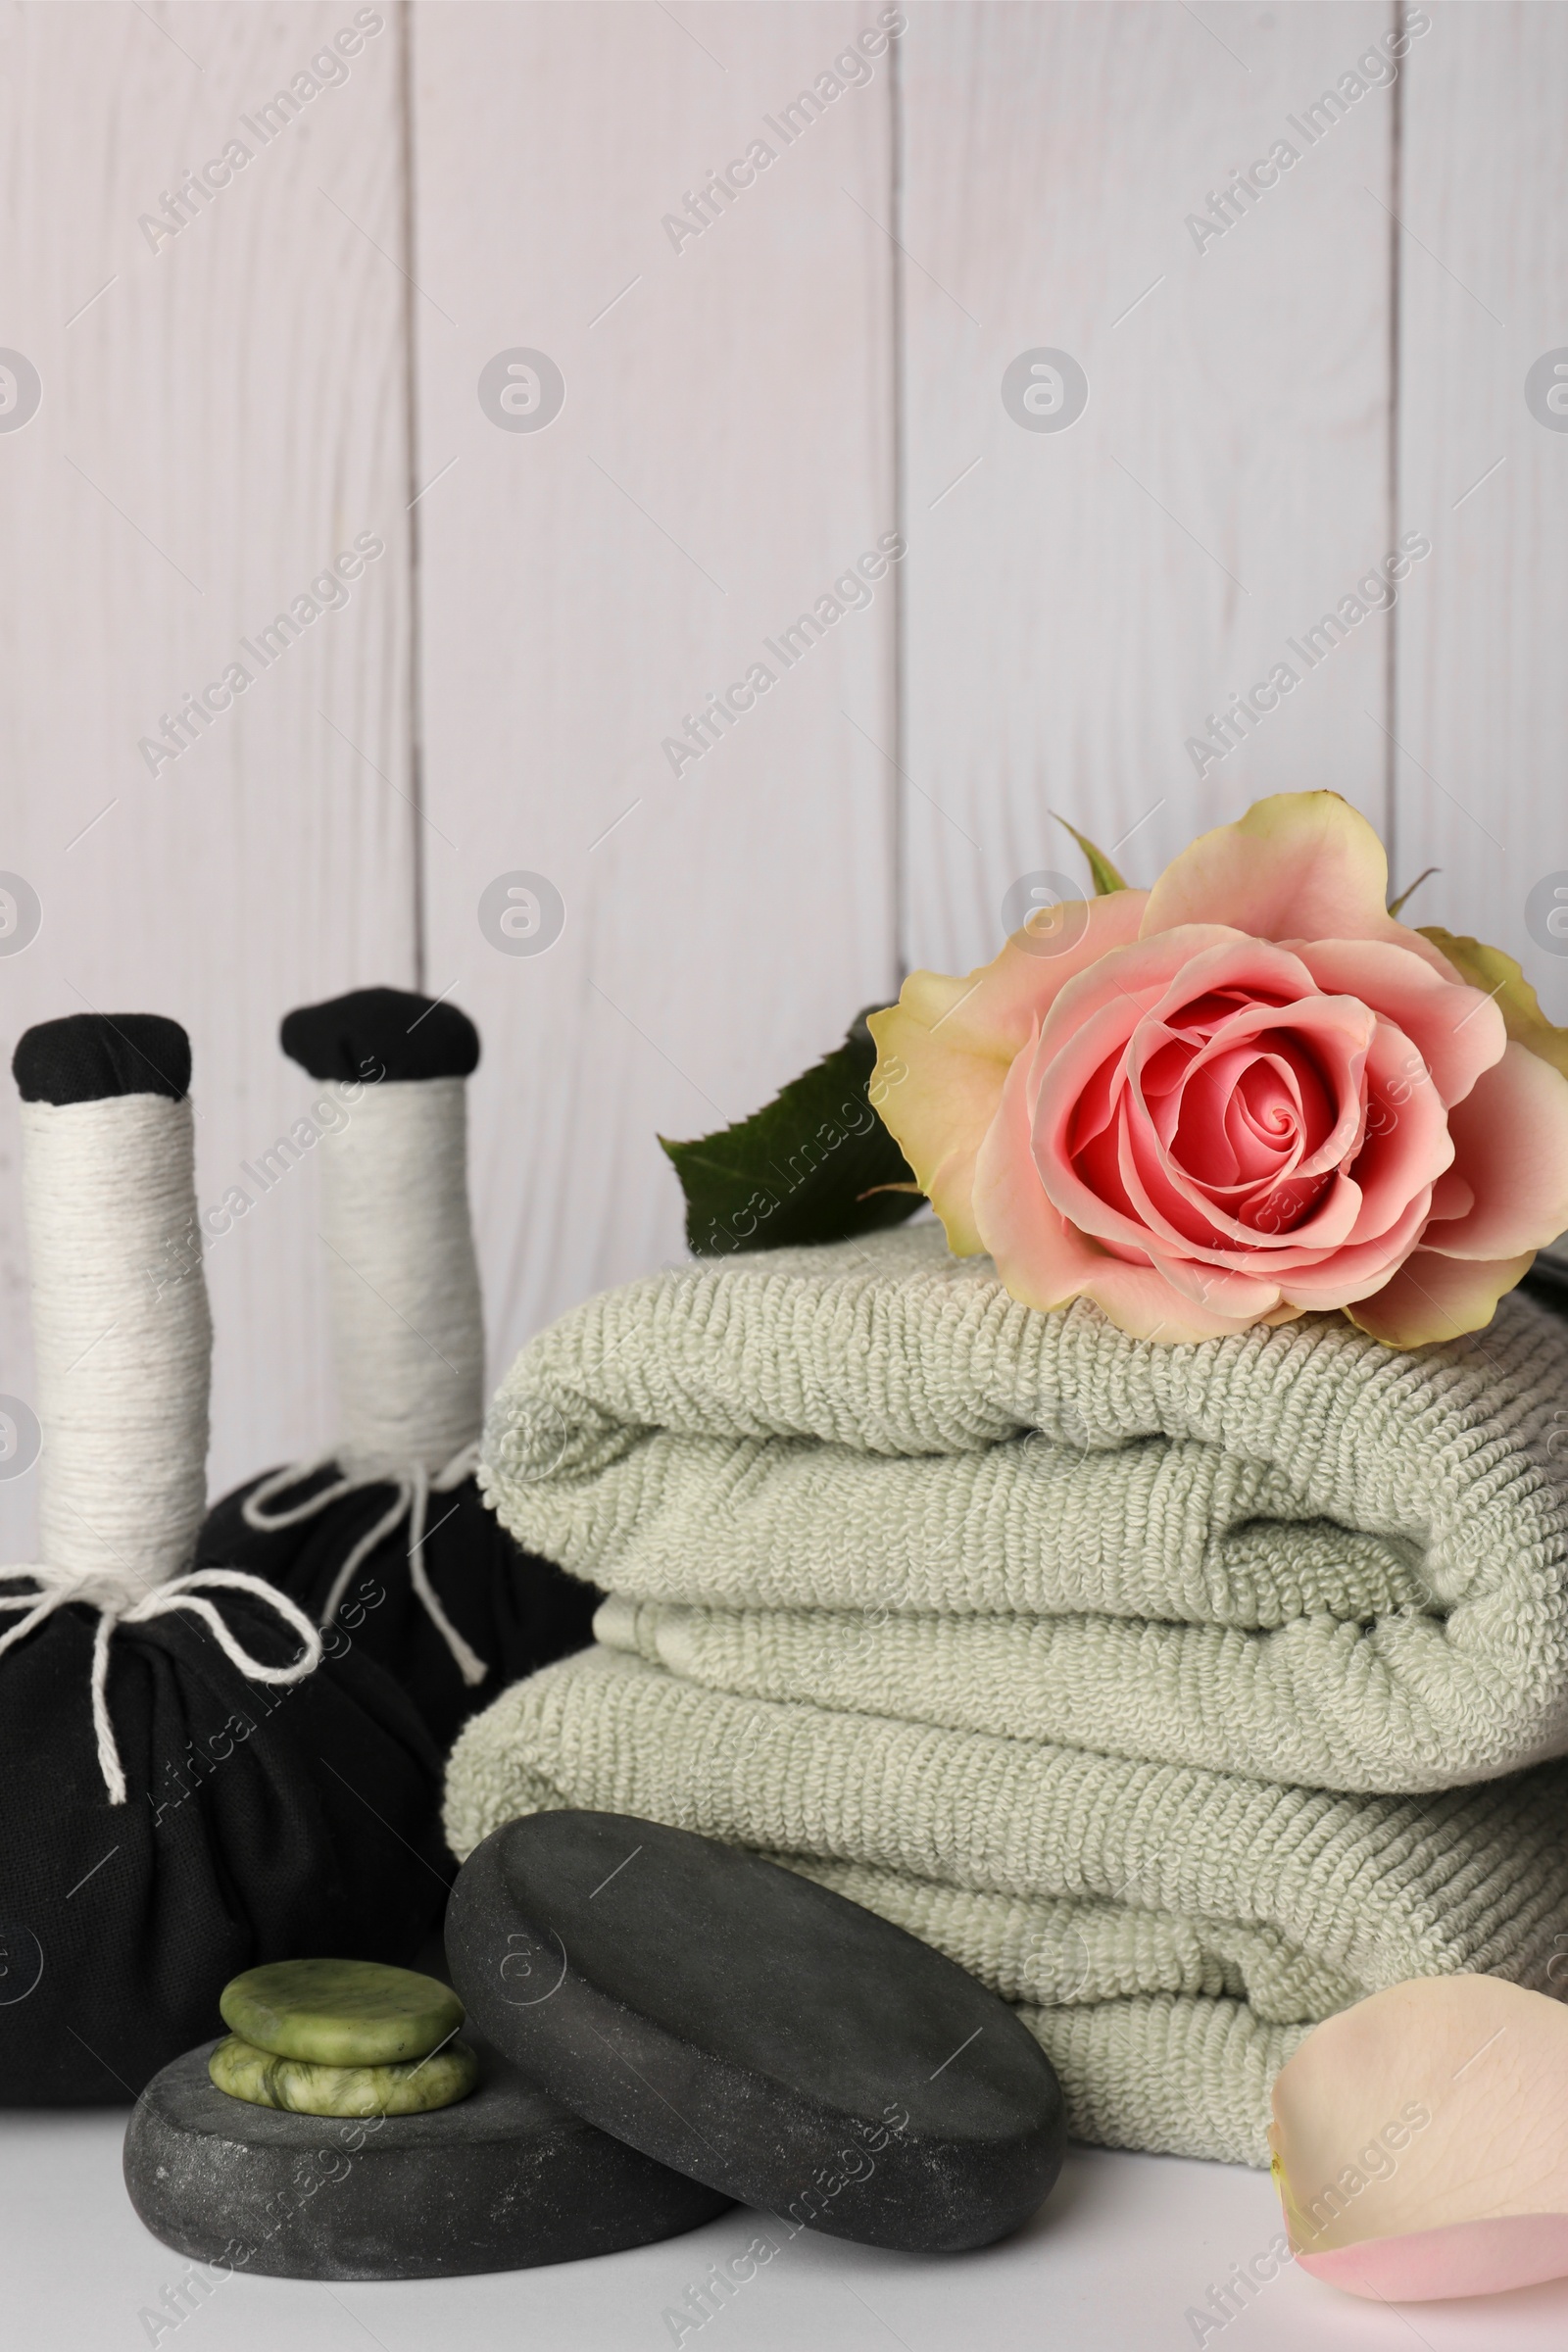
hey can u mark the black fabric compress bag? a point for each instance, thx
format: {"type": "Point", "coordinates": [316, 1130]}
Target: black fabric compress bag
{"type": "Point", "coordinates": [387, 1128]}
{"type": "Point", "coordinates": [261, 1823]}
{"type": "Point", "coordinates": [192, 1779]}
{"type": "Point", "coordinates": [515, 1610]}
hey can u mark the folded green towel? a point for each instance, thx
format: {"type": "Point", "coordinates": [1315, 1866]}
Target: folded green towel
{"type": "Point", "coordinates": [1295, 1553]}
{"type": "Point", "coordinates": [1168, 1934]}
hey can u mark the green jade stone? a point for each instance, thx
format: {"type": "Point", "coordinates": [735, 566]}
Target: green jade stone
{"type": "Point", "coordinates": [414, 2088]}
{"type": "Point", "coordinates": [352, 2013]}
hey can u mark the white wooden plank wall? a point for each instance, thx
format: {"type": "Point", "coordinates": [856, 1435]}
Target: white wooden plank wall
{"type": "Point", "coordinates": [1484, 297]}
{"type": "Point", "coordinates": [746, 411]}
{"type": "Point", "coordinates": [219, 418]}
{"type": "Point", "coordinates": [723, 456]}
{"type": "Point", "coordinates": [1081, 600]}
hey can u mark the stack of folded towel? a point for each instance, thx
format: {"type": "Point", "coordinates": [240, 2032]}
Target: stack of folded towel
{"type": "Point", "coordinates": [1184, 1694]}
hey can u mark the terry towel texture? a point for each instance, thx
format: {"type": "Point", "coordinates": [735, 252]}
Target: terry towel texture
{"type": "Point", "coordinates": [1168, 1933]}
{"type": "Point", "coordinates": [1056, 1646]}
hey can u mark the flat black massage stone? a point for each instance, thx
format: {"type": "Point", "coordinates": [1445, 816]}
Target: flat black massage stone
{"type": "Point", "coordinates": [501, 2182]}
{"type": "Point", "coordinates": [754, 2031]}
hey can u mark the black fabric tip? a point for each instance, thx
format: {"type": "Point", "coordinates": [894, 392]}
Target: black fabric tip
{"type": "Point", "coordinates": [382, 1033]}
{"type": "Point", "coordinates": [89, 1057]}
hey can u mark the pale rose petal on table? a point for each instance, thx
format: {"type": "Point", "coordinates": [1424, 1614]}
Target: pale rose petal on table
{"type": "Point", "coordinates": [1467, 2257]}
{"type": "Point", "coordinates": [1299, 866]}
{"type": "Point", "coordinates": [944, 1050]}
{"type": "Point", "coordinates": [1420, 2140]}
{"type": "Point", "coordinates": [1510, 1137]}
{"type": "Point", "coordinates": [1432, 1298]}
{"type": "Point", "coordinates": [1456, 1031]}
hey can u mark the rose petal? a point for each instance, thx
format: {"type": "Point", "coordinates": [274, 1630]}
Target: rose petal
{"type": "Point", "coordinates": [1299, 866]}
{"type": "Point", "coordinates": [1451, 1196]}
{"type": "Point", "coordinates": [1137, 973]}
{"type": "Point", "coordinates": [1467, 2257]}
{"type": "Point", "coordinates": [1432, 1298]}
{"type": "Point", "coordinates": [1437, 2107]}
{"type": "Point", "coordinates": [1336, 1278]}
{"type": "Point", "coordinates": [1454, 1030]}
{"type": "Point", "coordinates": [1312, 1047]}
{"type": "Point", "coordinates": [945, 1049]}
{"type": "Point", "coordinates": [1331, 1036]}
{"type": "Point", "coordinates": [1181, 1223]}
{"type": "Point", "coordinates": [1241, 1295]}
{"type": "Point", "coordinates": [1407, 1144]}
{"type": "Point", "coordinates": [1337, 1030]}
{"type": "Point", "coordinates": [1501, 979]}
{"type": "Point", "coordinates": [1089, 1025]}
{"type": "Point", "coordinates": [1277, 1113]}
{"type": "Point", "coordinates": [1510, 1135]}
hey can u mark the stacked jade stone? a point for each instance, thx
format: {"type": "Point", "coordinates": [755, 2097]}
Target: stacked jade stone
{"type": "Point", "coordinates": [342, 2038]}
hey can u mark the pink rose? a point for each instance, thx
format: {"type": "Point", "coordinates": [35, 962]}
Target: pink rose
{"type": "Point", "coordinates": [1243, 1094]}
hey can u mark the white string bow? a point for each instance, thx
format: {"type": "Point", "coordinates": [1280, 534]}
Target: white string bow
{"type": "Point", "coordinates": [59, 1587]}
{"type": "Point", "coordinates": [412, 1490]}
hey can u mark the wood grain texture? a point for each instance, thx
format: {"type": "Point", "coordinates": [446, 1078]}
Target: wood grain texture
{"type": "Point", "coordinates": [221, 416]}
{"type": "Point", "coordinates": [723, 454]}
{"type": "Point", "coordinates": [1483, 287]}
{"type": "Point", "coordinates": [1081, 601]}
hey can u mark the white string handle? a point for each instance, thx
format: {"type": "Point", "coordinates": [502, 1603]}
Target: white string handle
{"type": "Point", "coordinates": [412, 1490]}
{"type": "Point", "coordinates": [57, 1587]}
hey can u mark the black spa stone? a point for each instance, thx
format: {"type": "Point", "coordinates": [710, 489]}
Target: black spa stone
{"type": "Point", "coordinates": [503, 2181]}
{"type": "Point", "coordinates": [756, 2031]}
{"type": "Point", "coordinates": [379, 1034]}
{"type": "Point", "coordinates": [1547, 1281]}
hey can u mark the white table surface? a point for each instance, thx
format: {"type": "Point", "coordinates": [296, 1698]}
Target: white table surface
{"type": "Point", "coordinates": [1126, 2246]}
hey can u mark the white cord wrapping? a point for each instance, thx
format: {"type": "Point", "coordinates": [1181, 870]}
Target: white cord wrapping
{"type": "Point", "coordinates": [123, 1341]}
{"type": "Point", "coordinates": [413, 1489]}
{"type": "Point", "coordinates": [122, 1336]}
{"type": "Point", "coordinates": [408, 1335]}
{"type": "Point", "coordinates": [57, 1586]}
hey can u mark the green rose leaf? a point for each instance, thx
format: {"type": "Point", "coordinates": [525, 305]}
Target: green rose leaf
{"type": "Point", "coordinates": [816, 1164]}
{"type": "Point", "coordinates": [1103, 873]}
